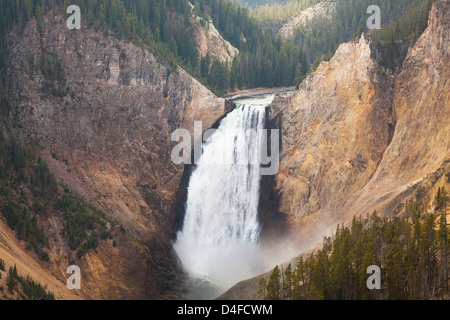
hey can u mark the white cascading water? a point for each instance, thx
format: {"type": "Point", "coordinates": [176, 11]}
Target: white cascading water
{"type": "Point", "coordinates": [219, 239]}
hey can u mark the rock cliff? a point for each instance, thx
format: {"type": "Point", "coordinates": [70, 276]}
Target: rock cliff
{"type": "Point", "coordinates": [105, 109]}
{"type": "Point", "coordinates": [323, 9]}
{"type": "Point", "coordinates": [210, 42]}
{"type": "Point", "coordinates": [355, 135]}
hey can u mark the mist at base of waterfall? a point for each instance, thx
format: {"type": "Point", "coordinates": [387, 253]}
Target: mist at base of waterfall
{"type": "Point", "coordinates": [221, 266]}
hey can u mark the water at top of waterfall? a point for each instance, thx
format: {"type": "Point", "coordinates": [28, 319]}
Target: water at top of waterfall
{"type": "Point", "coordinates": [220, 233]}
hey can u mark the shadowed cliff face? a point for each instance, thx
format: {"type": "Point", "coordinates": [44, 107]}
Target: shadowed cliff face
{"type": "Point", "coordinates": [108, 108]}
{"type": "Point", "coordinates": [355, 135]}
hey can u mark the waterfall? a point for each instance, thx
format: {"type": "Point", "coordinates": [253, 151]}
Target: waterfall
{"type": "Point", "coordinates": [220, 233]}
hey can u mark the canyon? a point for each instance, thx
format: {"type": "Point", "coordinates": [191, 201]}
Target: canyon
{"type": "Point", "coordinates": [355, 137]}
{"type": "Point", "coordinates": [359, 137]}
{"type": "Point", "coordinates": [322, 10]}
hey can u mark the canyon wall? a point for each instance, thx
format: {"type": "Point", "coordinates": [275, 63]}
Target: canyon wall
{"type": "Point", "coordinates": [104, 111]}
{"type": "Point", "coordinates": [355, 136]}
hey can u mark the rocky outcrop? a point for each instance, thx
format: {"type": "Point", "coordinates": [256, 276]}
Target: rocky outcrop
{"type": "Point", "coordinates": [210, 42]}
{"type": "Point", "coordinates": [323, 9]}
{"type": "Point", "coordinates": [108, 108]}
{"type": "Point", "coordinates": [334, 133]}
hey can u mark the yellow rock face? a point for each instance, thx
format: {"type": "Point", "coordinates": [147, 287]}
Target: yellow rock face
{"type": "Point", "coordinates": [355, 135]}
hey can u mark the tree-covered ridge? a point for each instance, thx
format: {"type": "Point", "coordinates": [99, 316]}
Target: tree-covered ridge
{"type": "Point", "coordinates": [265, 60]}
{"type": "Point", "coordinates": [412, 251]}
{"type": "Point", "coordinates": [350, 20]}
{"type": "Point", "coordinates": [163, 26]}
{"type": "Point", "coordinates": [275, 14]}
{"type": "Point", "coordinates": [23, 288]}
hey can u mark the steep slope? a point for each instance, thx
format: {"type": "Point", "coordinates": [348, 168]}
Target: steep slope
{"type": "Point", "coordinates": [357, 138]}
{"type": "Point", "coordinates": [13, 254]}
{"type": "Point", "coordinates": [104, 110]}
{"type": "Point", "coordinates": [422, 112]}
{"type": "Point", "coordinates": [355, 135]}
{"type": "Point", "coordinates": [321, 10]}
{"type": "Point", "coordinates": [334, 133]}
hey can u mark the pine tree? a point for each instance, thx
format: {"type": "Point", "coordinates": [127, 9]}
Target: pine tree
{"type": "Point", "coordinates": [428, 251]}
{"type": "Point", "coordinates": [299, 281]}
{"type": "Point", "coordinates": [287, 283]}
{"type": "Point", "coordinates": [273, 285]}
{"type": "Point", "coordinates": [12, 279]}
{"type": "Point", "coordinates": [261, 293]}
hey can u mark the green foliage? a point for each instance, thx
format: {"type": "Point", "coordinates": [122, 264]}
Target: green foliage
{"type": "Point", "coordinates": [24, 224]}
{"type": "Point", "coordinates": [273, 14]}
{"type": "Point", "coordinates": [166, 28]}
{"type": "Point", "coordinates": [28, 289]}
{"type": "Point", "coordinates": [440, 198]}
{"type": "Point", "coordinates": [20, 166]}
{"type": "Point", "coordinates": [16, 160]}
{"type": "Point", "coordinates": [261, 293]}
{"type": "Point", "coordinates": [2, 265]}
{"type": "Point", "coordinates": [35, 291]}
{"type": "Point", "coordinates": [84, 224]}
{"type": "Point", "coordinates": [399, 34]}
{"type": "Point", "coordinates": [287, 283]}
{"type": "Point", "coordinates": [145, 22]}
{"type": "Point", "coordinates": [217, 77]}
{"type": "Point", "coordinates": [12, 279]}
{"type": "Point", "coordinates": [411, 251]}
{"type": "Point", "coordinates": [44, 181]}
{"type": "Point", "coordinates": [256, 3]}
{"type": "Point", "coordinates": [273, 285]}
{"type": "Point", "coordinates": [264, 59]}
{"type": "Point", "coordinates": [403, 21]}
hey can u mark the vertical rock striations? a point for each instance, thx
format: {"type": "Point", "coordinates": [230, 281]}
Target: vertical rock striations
{"type": "Point", "coordinates": [334, 133]}
{"type": "Point", "coordinates": [355, 134]}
